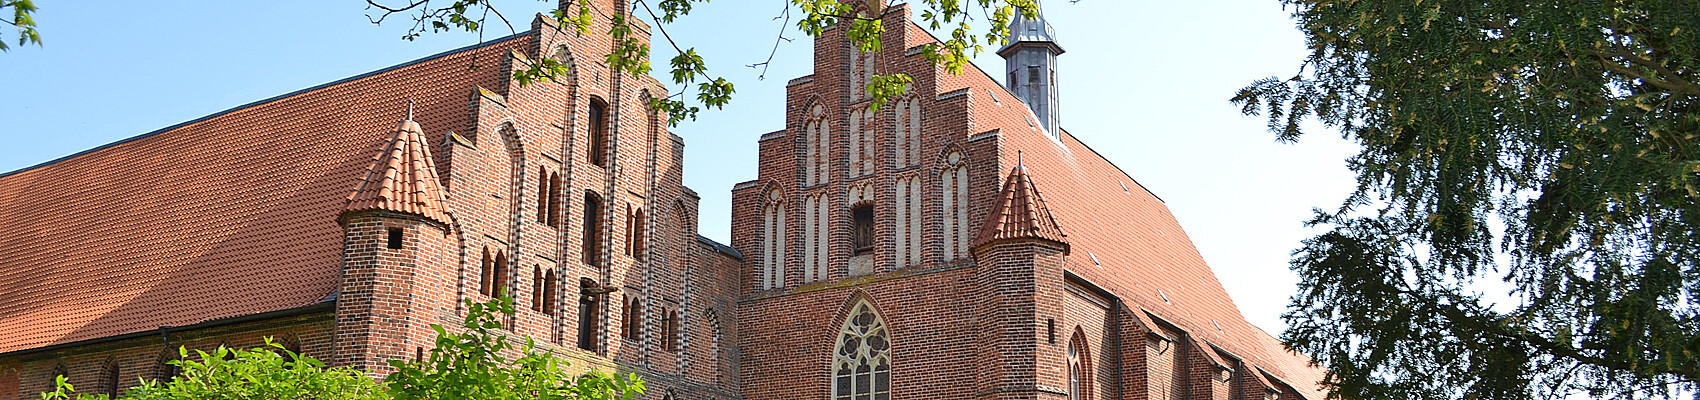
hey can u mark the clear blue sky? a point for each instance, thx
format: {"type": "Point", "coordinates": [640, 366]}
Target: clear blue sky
{"type": "Point", "coordinates": [1145, 83]}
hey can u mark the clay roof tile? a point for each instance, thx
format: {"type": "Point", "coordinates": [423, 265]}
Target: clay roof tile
{"type": "Point", "coordinates": [402, 178]}
{"type": "Point", "coordinates": [1020, 213]}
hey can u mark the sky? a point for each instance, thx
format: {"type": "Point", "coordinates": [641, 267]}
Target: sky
{"type": "Point", "coordinates": [1145, 83]}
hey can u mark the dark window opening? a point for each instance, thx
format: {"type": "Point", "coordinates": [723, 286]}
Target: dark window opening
{"type": "Point", "coordinates": [499, 285]}
{"type": "Point", "coordinates": [1051, 330]}
{"type": "Point", "coordinates": [670, 331]}
{"type": "Point", "coordinates": [486, 273]}
{"type": "Point", "coordinates": [537, 288]}
{"type": "Point", "coordinates": [395, 238]}
{"type": "Point", "coordinates": [592, 229]}
{"type": "Point", "coordinates": [549, 295]}
{"type": "Point", "coordinates": [1011, 81]}
{"type": "Point", "coordinates": [633, 325]}
{"type": "Point", "coordinates": [554, 203]}
{"type": "Point", "coordinates": [589, 302]}
{"type": "Point", "coordinates": [543, 193]}
{"type": "Point", "coordinates": [598, 132]}
{"type": "Point", "coordinates": [863, 228]}
{"type": "Point", "coordinates": [109, 377]}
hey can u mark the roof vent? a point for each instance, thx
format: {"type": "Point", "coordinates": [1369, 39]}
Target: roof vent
{"type": "Point", "coordinates": [1124, 186]}
{"type": "Point", "coordinates": [1164, 296]}
{"type": "Point", "coordinates": [994, 96]}
{"type": "Point", "coordinates": [1094, 259]}
{"type": "Point", "coordinates": [1218, 326]}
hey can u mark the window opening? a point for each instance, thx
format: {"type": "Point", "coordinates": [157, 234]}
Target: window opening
{"type": "Point", "coordinates": [598, 132]}
{"type": "Point", "coordinates": [592, 229]}
{"type": "Point", "coordinates": [537, 288]}
{"type": "Point", "coordinates": [499, 287]}
{"type": "Point", "coordinates": [395, 238]}
{"type": "Point", "coordinates": [1051, 330]}
{"type": "Point", "coordinates": [862, 359]}
{"type": "Point", "coordinates": [589, 302]}
{"type": "Point", "coordinates": [863, 233]}
{"type": "Point", "coordinates": [670, 330]}
{"type": "Point", "coordinates": [633, 329]}
{"type": "Point", "coordinates": [486, 273]}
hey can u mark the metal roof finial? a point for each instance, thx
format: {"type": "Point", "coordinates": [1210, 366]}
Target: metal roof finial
{"type": "Point", "coordinates": [409, 109]}
{"type": "Point", "coordinates": [1018, 159]}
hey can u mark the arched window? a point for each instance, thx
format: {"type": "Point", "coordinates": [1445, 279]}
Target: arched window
{"type": "Point", "coordinates": [816, 148]}
{"type": "Point", "coordinates": [861, 361]}
{"type": "Point", "coordinates": [598, 120]}
{"type": "Point", "coordinates": [908, 222]}
{"type": "Point", "coordinates": [109, 377]}
{"type": "Point", "coordinates": [858, 124]}
{"type": "Point", "coordinates": [537, 288]}
{"type": "Point", "coordinates": [773, 240]}
{"type": "Point", "coordinates": [550, 297]}
{"type": "Point", "coordinates": [589, 306]}
{"type": "Point", "coordinates": [166, 371]}
{"type": "Point", "coordinates": [499, 287]}
{"type": "Point", "coordinates": [670, 330]}
{"type": "Point", "coordinates": [486, 273]}
{"type": "Point", "coordinates": [542, 195]}
{"type": "Point", "coordinates": [635, 222]}
{"type": "Point", "coordinates": [554, 203]}
{"type": "Point", "coordinates": [815, 234]}
{"type": "Point", "coordinates": [1079, 374]}
{"type": "Point", "coordinates": [954, 188]}
{"type": "Point", "coordinates": [592, 229]}
{"type": "Point", "coordinates": [633, 324]}
{"type": "Point", "coordinates": [906, 131]}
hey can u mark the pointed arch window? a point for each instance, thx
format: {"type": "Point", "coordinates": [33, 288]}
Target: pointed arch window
{"type": "Point", "coordinates": [817, 222]}
{"type": "Point", "coordinates": [908, 222]}
{"type": "Point", "coordinates": [537, 288]}
{"type": "Point", "coordinates": [906, 131]}
{"type": "Point", "coordinates": [635, 240]}
{"type": "Point", "coordinates": [861, 361]}
{"type": "Point", "coordinates": [486, 273]}
{"type": "Point", "coordinates": [773, 240]}
{"type": "Point", "coordinates": [554, 204]}
{"type": "Point", "coordinates": [818, 141]}
{"type": "Point", "coordinates": [109, 377]}
{"type": "Point", "coordinates": [499, 284]}
{"type": "Point", "coordinates": [550, 297]}
{"type": "Point", "coordinates": [542, 197]}
{"type": "Point", "coordinates": [953, 185]}
{"type": "Point", "coordinates": [670, 330]}
{"type": "Point", "coordinates": [592, 247]}
{"type": "Point", "coordinates": [633, 329]}
{"type": "Point", "coordinates": [1079, 372]}
{"type": "Point", "coordinates": [598, 127]}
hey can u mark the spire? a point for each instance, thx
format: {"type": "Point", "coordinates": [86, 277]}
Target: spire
{"type": "Point", "coordinates": [402, 178]}
{"type": "Point", "coordinates": [1030, 67]}
{"type": "Point", "coordinates": [1020, 213]}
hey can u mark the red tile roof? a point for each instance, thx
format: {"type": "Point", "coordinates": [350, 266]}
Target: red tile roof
{"type": "Point", "coordinates": [1132, 245]}
{"type": "Point", "coordinates": [402, 178]}
{"type": "Point", "coordinates": [228, 215]}
{"type": "Point", "coordinates": [1020, 213]}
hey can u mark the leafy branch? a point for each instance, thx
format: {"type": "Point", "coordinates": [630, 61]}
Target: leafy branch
{"type": "Point", "coordinates": [23, 20]}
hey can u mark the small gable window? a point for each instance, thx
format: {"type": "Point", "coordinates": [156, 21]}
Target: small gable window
{"type": "Point", "coordinates": [598, 132]}
{"type": "Point", "coordinates": [862, 233]}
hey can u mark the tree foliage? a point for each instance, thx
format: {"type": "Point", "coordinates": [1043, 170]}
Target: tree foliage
{"type": "Point", "coordinates": [465, 364]}
{"type": "Point", "coordinates": [862, 18]}
{"type": "Point", "coordinates": [1544, 148]}
{"type": "Point", "coordinates": [22, 19]}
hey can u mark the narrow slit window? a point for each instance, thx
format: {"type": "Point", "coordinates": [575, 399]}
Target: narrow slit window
{"type": "Point", "coordinates": [395, 238]}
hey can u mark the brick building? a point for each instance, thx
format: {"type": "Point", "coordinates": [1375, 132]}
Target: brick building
{"type": "Point", "coordinates": [955, 243]}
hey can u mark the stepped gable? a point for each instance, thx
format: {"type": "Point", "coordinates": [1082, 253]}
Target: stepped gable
{"type": "Point", "coordinates": [1020, 213]}
{"type": "Point", "coordinates": [228, 215]}
{"type": "Point", "coordinates": [402, 177]}
{"type": "Point", "coordinates": [1126, 240]}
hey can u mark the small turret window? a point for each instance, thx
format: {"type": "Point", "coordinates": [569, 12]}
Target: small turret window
{"type": "Point", "coordinates": [394, 238]}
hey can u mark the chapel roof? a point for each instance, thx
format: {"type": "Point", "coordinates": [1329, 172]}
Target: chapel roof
{"type": "Point", "coordinates": [227, 215]}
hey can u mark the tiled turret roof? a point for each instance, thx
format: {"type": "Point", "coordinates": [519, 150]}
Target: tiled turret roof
{"type": "Point", "coordinates": [1020, 213]}
{"type": "Point", "coordinates": [402, 178]}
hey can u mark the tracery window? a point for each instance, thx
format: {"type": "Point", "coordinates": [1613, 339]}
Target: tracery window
{"type": "Point", "coordinates": [861, 361]}
{"type": "Point", "coordinates": [1079, 378]}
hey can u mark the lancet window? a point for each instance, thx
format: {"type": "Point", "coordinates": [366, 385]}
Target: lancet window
{"type": "Point", "coordinates": [906, 131]}
{"type": "Point", "coordinates": [861, 142]}
{"type": "Point", "coordinates": [816, 221]}
{"type": "Point", "coordinates": [816, 151]}
{"type": "Point", "coordinates": [954, 188]}
{"type": "Point", "coordinates": [773, 240]}
{"type": "Point", "coordinates": [907, 209]}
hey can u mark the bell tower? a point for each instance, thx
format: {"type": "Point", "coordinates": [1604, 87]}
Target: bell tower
{"type": "Point", "coordinates": [1030, 68]}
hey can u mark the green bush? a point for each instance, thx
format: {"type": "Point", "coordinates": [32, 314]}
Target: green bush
{"type": "Point", "coordinates": [465, 365]}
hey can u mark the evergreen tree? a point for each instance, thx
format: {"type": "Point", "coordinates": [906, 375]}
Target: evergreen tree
{"type": "Point", "coordinates": [1546, 149]}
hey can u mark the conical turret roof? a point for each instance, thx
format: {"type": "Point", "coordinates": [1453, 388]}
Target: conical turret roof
{"type": "Point", "coordinates": [1020, 213]}
{"type": "Point", "coordinates": [402, 178]}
